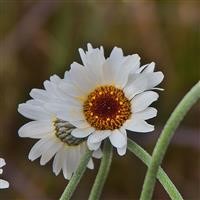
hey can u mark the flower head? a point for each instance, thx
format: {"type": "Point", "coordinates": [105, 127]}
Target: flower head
{"type": "Point", "coordinates": [54, 134]}
{"type": "Point", "coordinates": [3, 184]}
{"type": "Point", "coordinates": [104, 97]}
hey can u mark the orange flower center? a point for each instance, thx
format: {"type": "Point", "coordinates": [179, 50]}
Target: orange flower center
{"type": "Point", "coordinates": [107, 108]}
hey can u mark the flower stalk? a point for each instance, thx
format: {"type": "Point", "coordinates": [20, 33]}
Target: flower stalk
{"type": "Point", "coordinates": [161, 146]}
{"type": "Point", "coordinates": [69, 190]}
{"type": "Point", "coordinates": [103, 172]}
{"type": "Point", "coordinates": [162, 176]}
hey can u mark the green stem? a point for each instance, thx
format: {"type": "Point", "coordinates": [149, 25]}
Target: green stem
{"type": "Point", "coordinates": [103, 172]}
{"type": "Point", "coordinates": [163, 141]}
{"type": "Point", "coordinates": [162, 176]}
{"type": "Point", "coordinates": [69, 190]}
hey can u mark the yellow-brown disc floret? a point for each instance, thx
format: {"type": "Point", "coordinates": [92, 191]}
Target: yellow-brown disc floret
{"type": "Point", "coordinates": [107, 108]}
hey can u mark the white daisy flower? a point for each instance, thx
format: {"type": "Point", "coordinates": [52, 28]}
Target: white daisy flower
{"type": "Point", "coordinates": [54, 133]}
{"type": "Point", "coordinates": [3, 184]}
{"type": "Point", "coordinates": [106, 97]}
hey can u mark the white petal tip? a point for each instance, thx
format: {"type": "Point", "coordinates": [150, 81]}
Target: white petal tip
{"type": "Point", "coordinates": [42, 163]}
{"type": "Point", "coordinates": [4, 184]}
{"type": "Point", "coordinates": [161, 75]}
{"type": "Point", "coordinates": [151, 129]}
{"type": "Point", "coordinates": [121, 154]}
{"type": "Point", "coordinates": [20, 133]}
{"type": "Point", "coordinates": [31, 158]}
{"type": "Point", "coordinates": [56, 173]}
{"type": "Point", "coordinates": [2, 162]}
{"type": "Point", "coordinates": [122, 151]}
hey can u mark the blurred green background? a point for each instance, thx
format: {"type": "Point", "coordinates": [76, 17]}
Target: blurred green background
{"type": "Point", "coordinates": [40, 38]}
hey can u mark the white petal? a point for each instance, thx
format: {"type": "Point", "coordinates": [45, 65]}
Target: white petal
{"type": "Point", "coordinates": [3, 184]}
{"type": "Point", "coordinates": [159, 89]}
{"type": "Point", "coordinates": [93, 146]}
{"type": "Point", "coordinates": [1, 171]}
{"type": "Point", "coordinates": [73, 160]}
{"type": "Point", "coordinates": [123, 131]}
{"type": "Point", "coordinates": [89, 46]}
{"type": "Point", "coordinates": [90, 164]}
{"type": "Point", "coordinates": [35, 102]}
{"type": "Point", "coordinates": [71, 115]}
{"type": "Point", "coordinates": [94, 61]}
{"type": "Point", "coordinates": [36, 129]}
{"type": "Point", "coordinates": [57, 107]}
{"type": "Point", "coordinates": [80, 124]}
{"type": "Point", "coordinates": [65, 159]}
{"type": "Point", "coordinates": [50, 87]}
{"type": "Point", "coordinates": [143, 100]}
{"type": "Point", "coordinates": [150, 68]}
{"type": "Point", "coordinates": [54, 91]}
{"type": "Point", "coordinates": [39, 94]}
{"type": "Point", "coordinates": [144, 81]}
{"type": "Point", "coordinates": [138, 125]}
{"type": "Point", "coordinates": [112, 66]}
{"type": "Point", "coordinates": [54, 107]}
{"type": "Point", "coordinates": [39, 148]}
{"type": "Point", "coordinates": [98, 136]}
{"type": "Point", "coordinates": [55, 78]}
{"type": "Point", "coordinates": [116, 55]}
{"type": "Point", "coordinates": [67, 100]}
{"type": "Point", "coordinates": [2, 162]}
{"type": "Point", "coordinates": [117, 139]}
{"type": "Point", "coordinates": [97, 154]}
{"type": "Point", "coordinates": [83, 56]}
{"type": "Point", "coordinates": [33, 112]}
{"type": "Point", "coordinates": [57, 163]}
{"type": "Point", "coordinates": [138, 71]}
{"type": "Point", "coordinates": [81, 133]}
{"type": "Point", "coordinates": [117, 71]}
{"type": "Point", "coordinates": [109, 72]}
{"type": "Point", "coordinates": [122, 151]}
{"type": "Point", "coordinates": [146, 68]}
{"type": "Point", "coordinates": [80, 78]}
{"type": "Point", "coordinates": [131, 64]}
{"type": "Point", "coordinates": [52, 149]}
{"type": "Point", "coordinates": [148, 113]}
{"type": "Point", "coordinates": [70, 89]}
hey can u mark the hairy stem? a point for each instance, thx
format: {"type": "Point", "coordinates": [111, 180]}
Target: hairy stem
{"type": "Point", "coordinates": [162, 176]}
{"type": "Point", "coordinates": [103, 172]}
{"type": "Point", "coordinates": [69, 190]}
{"type": "Point", "coordinates": [163, 141]}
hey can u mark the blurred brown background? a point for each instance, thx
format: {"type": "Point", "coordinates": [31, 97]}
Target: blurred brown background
{"type": "Point", "coordinates": [40, 38]}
